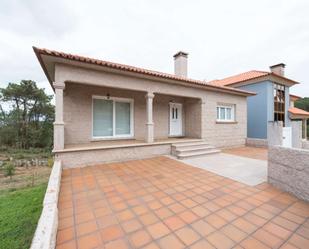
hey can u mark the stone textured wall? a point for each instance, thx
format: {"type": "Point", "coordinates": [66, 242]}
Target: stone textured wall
{"type": "Point", "coordinates": [96, 156]}
{"type": "Point", "coordinates": [224, 134]}
{"type": "Point", "coordinates": [305, 144]}
{"type": "Point", "coordinates": [256, 142]}
{"type": "Point", "coordinates": [288, 169]}
{"type": "Point", "coordinates": [199, 116]}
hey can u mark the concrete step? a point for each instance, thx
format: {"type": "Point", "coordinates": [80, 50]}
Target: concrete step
{"type": "Point", "coordinates": [192, 148]}
{"type": "Point", "coordinates": [189, 144]}
{"type": "Point", "coordinates": [190, 154]}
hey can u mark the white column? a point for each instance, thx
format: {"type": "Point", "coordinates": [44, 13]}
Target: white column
{"type": "Point", "coordinates": [149, 123]}
{"type": "Point", "coordinates": [59, 124]}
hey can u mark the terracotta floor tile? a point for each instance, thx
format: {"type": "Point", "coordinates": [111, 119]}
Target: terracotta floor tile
{"type": "Point", "coordinates": [187, 235]}
{"type": "Point", "coordinates": [65, 223]}
{"type": "Point", "coordinates": [200, 211]}
{"type": "Point", "coordinates": [176, 207]}
{"type": "Point", "coordinates": [117, 244]}
{"type": "Point", "coordinates": [202, 244]}
{"type": "Point", "coordinates": [299, 241]}
{"type": "Point", "coordinates": [251, 243]}
{"type": "Point", "coordinates": [144, 203]}
{"type": "Point", "coordinates": [131, 225]}
{"type": "Point", "coordinates": [267, 238]}
{"type": "Point", "coordinates": [89, 241]}
{"type": "Point", "coordinates": [83, 217]}
{"type": "Point", "coordinates": [65, 235]}
{"type": "Point", "coordinates": [86, 227]}
{"type": "Point", "coordinates": [244, 225]}
{"type": "Point", "coordinates": [202, 227]}
{"type": "Point", "coordinates": [102, 211]}
{"type": "Point", "coordinates": [220, 241]}
{"type": "Point", "coordinates": [188, 217]}
{"type": "Point", "coordinates": [234, 233]}
{"type": "Point", "coordinates": [107, 221]}
{"type": "Point", "coordinates": [148, 219]}
{"type": "Point", "coordinates": [151, 246]}
{"type": "Point", "coordinates": [285, 223]}
{"type": "Point", "coordinates": [215, 220]}
{"type": "Point", "coordinates": [170, 242]}
{"type": "Point", "coordinates": [254, 219]}
{"type": "Point", "coordinates": [125, 215]}
{"type": "Point", "coordinates": [67, 245]}
{"type": "Point", "coordinates": [174, 222]}
{"type": "Point", "coordinates": [111, 233]}
{"type": "Point", "coordinates": [163, 213]}
{"type": "Point", "coordinates": [140, 238]}
{"type": "Point", "coordinates": [277, 230]}
{"type": "Point", "coordinates": [158, 230]}
{"type": "Point", "coordinates": [140, 209]}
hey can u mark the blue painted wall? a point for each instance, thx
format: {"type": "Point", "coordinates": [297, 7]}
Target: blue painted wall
{"type": "Point", "coordinates": [259, 108]}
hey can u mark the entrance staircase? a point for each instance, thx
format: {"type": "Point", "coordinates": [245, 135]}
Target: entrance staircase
{"type": "Point", "coordinates": [193, 149]}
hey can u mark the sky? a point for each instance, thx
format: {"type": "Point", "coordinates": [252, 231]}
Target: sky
{"type": "Point", "coordinates": [222, 37]}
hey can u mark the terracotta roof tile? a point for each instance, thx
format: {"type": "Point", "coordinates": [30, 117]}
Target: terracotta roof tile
{"type": "Point", "coordinates": [297, 111]}
{"type": "Point", "coordinates": [239, 78]}
{"type": "Point", "coordinates": [43, 51]}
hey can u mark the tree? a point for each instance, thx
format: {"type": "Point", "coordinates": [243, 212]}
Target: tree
{"type": "Point", "coordinates": [9, 170]}
{"type": "Point", "coordinates": [28, 123]}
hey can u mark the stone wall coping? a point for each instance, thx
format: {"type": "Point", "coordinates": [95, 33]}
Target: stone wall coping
{"type": "Point", "coordinates": [46, 231]}
{"type": "Point", "coordinates": [100, 147]}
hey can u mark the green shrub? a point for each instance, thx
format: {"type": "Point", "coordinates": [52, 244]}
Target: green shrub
{"type": "Point", "coordinates": [50, 162]}
{"type": "Point", "coordinates": [9, 169]}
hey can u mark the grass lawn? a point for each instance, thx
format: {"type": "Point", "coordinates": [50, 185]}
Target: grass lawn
{"type": "Point", "coordinates": [19, 213]}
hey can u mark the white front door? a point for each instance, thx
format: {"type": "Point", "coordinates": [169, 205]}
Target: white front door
{"type": "Point", "coordinates": [287, 137]}
{"type": "Point", "coordinates": [175, 119]}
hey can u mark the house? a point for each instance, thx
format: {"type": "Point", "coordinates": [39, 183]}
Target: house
{"type": "Point", "coordinates": [298, 114]}
{"type": "Point", "coordinates": [271, 103]}
{"type": "Point", "coordinates": [107, 111]}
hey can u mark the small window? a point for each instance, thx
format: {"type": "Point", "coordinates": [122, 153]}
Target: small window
{"type": "Point", "coordinates": [226, 113]}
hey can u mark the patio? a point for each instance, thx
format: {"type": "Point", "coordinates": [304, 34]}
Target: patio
{"type": "Point", "coordinates": [164, 203]}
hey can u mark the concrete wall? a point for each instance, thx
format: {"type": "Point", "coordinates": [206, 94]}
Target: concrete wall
{"type": "Point", "coordinates": [296, 134]}
{"type": "Point", "coordinates": [274, 131]}
{"type": "Point", "coordinates": [258, 109]}
{"type": "Point", "coordinates": [288, 169]}
{"type": "Point", "coordinates": [193, 121]}
{"type": "Point", "coordinates": [305, 144]}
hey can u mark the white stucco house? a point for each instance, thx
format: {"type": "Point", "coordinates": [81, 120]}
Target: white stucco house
{"type": "Point", "coordinates": [107, 111]}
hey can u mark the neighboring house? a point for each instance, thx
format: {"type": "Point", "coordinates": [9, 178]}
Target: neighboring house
{"type": "Point", "coordinates": [107, 111]}
{"type": "Point", "coordinates": [271, 102]}
{"type": "Point", "coordinates": [298, 114]}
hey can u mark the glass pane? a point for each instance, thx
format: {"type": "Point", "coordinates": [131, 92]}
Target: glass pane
{"type": "Point", "coordinates": [102, 117]}
{"type": "Point", "coordinates": [122, 118]}
{"type": "Point", "coordinates": [222, 113]}
{"type": "Point", "coordinates": [229, 113]}
{"type": "Point", "coordinates": [218, 113]}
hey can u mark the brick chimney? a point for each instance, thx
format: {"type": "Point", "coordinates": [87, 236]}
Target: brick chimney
{"type": "Point", "coordinates": [278, 69]}
{"type": "Point", "coordinates": [181, 66]}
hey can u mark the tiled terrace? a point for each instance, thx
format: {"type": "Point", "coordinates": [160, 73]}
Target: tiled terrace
{"type": "Point", "coordinates": [163, 203]}
{"type": "Point", "coordinates": [247, 151]}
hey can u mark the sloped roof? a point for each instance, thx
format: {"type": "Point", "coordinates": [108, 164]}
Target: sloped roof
{"type": "Point", "coordinates": [250, 75]}
{"type": "Point", "coordinates": [297, 111]}
{"type": "Point", "coordinates": [42, 51]}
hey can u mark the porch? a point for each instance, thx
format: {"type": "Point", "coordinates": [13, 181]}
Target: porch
{"type": "Point", "coordinates": [89, 117]}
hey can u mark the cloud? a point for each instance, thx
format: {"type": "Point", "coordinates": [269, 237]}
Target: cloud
{"type": "Point", "coordinates": [222, 37]}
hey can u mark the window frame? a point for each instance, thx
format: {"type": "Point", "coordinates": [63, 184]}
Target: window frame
{"type": "Point", "coordinates": [114, 136]}
{"type": "Point", "coordinates": [225, 106]}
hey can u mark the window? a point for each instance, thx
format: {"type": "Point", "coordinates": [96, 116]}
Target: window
{"type": "Point", "coordinates": [279, 102]}
{"type": "Point", "coordinates": [112, 117]}
{"type": "Point", "coordinates": [225, 113]}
